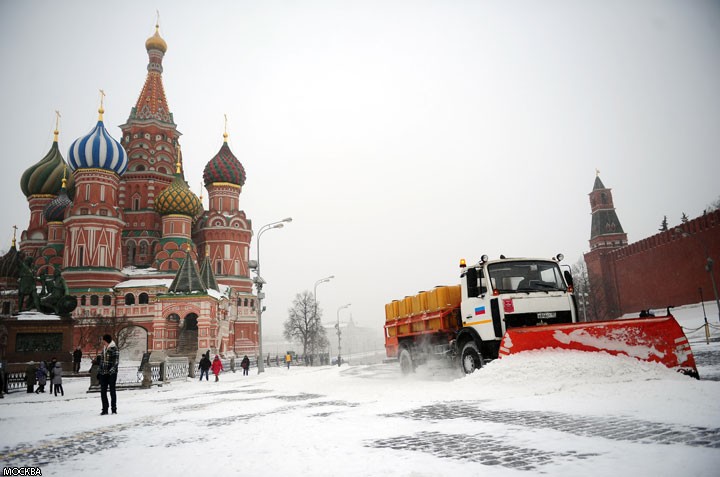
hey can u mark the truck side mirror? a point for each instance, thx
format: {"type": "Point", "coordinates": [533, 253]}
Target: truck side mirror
{"type": "Point", "coordinates": [568, 278]}
{"type": "Point", "coordinates": [471, 276]}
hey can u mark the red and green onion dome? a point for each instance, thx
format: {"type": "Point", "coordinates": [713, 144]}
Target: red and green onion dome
{"type": "Point", "coordinates": [177, 198]}
{"type": "Point", "coordinates": [224, 167]}
{"type": "Point", "coordinates": [55, 210]}
{"type": "Point", "coordinates": [44, 177]}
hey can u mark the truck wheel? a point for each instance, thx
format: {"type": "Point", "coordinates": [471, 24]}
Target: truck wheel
{"type": "Point", "coordinates": [470, 358]}
{"type": "Point", "coordinates": [406, 362]}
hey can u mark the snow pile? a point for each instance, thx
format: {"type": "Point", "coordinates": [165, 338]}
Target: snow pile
{"type": "Point", "coordinates": [548, 371]}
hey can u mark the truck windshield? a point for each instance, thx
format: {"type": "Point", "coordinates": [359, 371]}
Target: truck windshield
{"type": "Point", "coordinates": [526, 276]}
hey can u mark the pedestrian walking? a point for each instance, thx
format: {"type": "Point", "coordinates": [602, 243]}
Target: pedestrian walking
{"type": "Point", "coordinates": [245, 365]}
{"type": "Point", "coordinates": [205, 367]}
{"type": "Point", "coordinates": [77, 358]}
{"type": "Point", "coordinates": [288, 359]}
{"type": "Point", "coordinates": [41, 375]}
{"type": "Point", "coordinates": [107, 374]}
{"type": "Point", "coordinates": [57, 379]}
{"type": "Point", "coordinates": [30, 376]}
{"type": "Point", "coordinates": [217, 367]}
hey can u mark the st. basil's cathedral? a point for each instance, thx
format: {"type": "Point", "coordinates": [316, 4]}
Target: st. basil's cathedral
{"type": "Point", "coordinates": [132, 240]}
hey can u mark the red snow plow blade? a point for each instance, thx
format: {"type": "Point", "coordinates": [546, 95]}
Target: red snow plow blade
{"type": "Point", "coordinates": [660, 340]}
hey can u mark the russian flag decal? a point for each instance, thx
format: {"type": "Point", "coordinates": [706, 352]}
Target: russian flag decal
{"type": "Point", "coordinates": [480, 310]}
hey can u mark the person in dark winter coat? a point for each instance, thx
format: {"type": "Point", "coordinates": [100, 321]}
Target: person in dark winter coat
{"type": "Point", "coordinates": [245, 365]}
{"type": "Point", "coordinates": [30, 378]}
{"type": "Point", "coordinates": [77, 358]}
{"type": "Point", "coordinates": [217, 367]}
{"type": "Point", "coordinates": [57, 379]}
{"type": "Point", "coordinates": [51, 373]}
{"type": "Point", "coordinates": [107, 374]}
{"type": "Point", "coordinates": [205, 367]}
{"type": "Point", "coordinates": [41, 375]}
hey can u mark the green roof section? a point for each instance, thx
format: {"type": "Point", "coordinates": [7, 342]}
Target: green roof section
{"type": "Point", "coordinates": [207, 275]}
{"type": "Point", "coordinates": [187, 280]}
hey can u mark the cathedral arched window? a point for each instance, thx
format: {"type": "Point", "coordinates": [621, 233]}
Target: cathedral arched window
{"type": "Point", "coordinates": [143, 298]}
{"type": "Point", "coordinates": [143, 248]}
{"type": "Point", "coordinates": [107, 300]}
{"type": "Point", "coordinates": [83, 300]}
{"type": "Point", "coordinates": [218, 267]}
{"type": "Point", "coordinates": [603, 198]}
{"type": "Point", "coordinates": [94, 300]}
{"type": "Point", "coordinates": [129, 299]}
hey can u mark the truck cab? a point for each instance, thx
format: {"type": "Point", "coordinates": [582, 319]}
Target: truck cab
{"type": "Point", "coordinates": [507, 293]}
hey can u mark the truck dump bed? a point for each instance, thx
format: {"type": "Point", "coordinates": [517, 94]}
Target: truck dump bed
{"type": "Point", "coordinates": [433, 314]}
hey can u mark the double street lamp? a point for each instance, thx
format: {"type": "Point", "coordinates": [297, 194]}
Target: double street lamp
{"type": "Point", "coordinates": [337, 326]}
{"type": "Point", "coordinates": [259, 282]}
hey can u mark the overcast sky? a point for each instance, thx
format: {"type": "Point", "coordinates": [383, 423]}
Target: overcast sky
{"type": "Point", "coordinates": [400, 136]}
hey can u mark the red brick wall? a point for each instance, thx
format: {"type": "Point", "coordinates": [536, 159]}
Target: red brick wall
{"type": "Point", "coordinates": [666, 268]}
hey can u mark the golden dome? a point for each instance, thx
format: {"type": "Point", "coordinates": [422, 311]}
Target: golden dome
{"type": "Point", "coordinates": [156, 42]}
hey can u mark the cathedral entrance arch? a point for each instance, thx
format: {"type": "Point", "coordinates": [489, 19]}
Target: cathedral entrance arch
{"type": "Point", "coordinates": [136, 343]}
{"type": "Point", "coordinates": [188, 342]}
{"type": "Point", "coordinates": [190, 322]}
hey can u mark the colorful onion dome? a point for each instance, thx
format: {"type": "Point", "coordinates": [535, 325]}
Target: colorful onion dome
{"type": "Point", "coordinates": [55, 210]}
{"type": "Point", "coordinates": [156, 42]}
{"type": "Point", "coordinates": [224, 167]}
{"type": "Point", "coordinates": [178, 198]}
{"type": "Point", "coordinates": [44, 177]}
{"type": "Point", "coordinates": [98, 150]}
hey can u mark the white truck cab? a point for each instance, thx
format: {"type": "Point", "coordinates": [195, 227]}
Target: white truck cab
{"type": "Point", "coordinates": [507, 293]}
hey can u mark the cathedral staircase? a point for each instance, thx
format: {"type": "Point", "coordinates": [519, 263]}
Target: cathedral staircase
{"type": "Point", "coordinates": [187, 344]}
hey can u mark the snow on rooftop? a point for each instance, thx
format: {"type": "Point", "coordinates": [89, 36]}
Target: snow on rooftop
{"type": "Point", "coordinates": [36, 315]}
{"type": "Point", "coordinates": [145, 282]}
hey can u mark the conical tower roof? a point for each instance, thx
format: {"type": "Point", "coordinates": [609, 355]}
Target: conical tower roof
{"type": "Point", "coordinates": [152, 104]}
{"type": "Point", "coordinates": [187, 279]}
{"type": "Point", "coordinates": [207, 275]}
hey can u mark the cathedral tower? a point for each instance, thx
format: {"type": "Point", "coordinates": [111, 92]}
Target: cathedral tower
{"type": "Point", "coordinates": [92, 254]}
{"type": "Point", "coordinates": [223, 232]}
{"type": "Point", "coordinates": [150, 137]}
{"type": "Point", "coordinates": [41, 183]}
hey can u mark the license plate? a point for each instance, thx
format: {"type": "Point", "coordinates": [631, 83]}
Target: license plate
{"type": "Point", "coordinates": [546, 315]}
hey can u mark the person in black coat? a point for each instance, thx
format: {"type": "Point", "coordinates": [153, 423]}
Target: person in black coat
{"type": "Point", "coordinates": [77, 358]}
{"type": "Point", "coordinates": [245, 365]}
{"type": "Point", "coordinates": [205, 367]}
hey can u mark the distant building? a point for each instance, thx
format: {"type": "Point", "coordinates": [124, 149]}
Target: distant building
{"type": "Point", "coordinates": [668, 268]}
{"type": "Point", "coordinates": [133, 241]}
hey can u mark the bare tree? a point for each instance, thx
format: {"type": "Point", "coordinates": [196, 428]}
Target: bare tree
{"type": "Point", "coordinates": [304, 326]}
{"type": "Point", "coordinates": [582, 286]}
{"type": "Point", "coordinates": [93, 327]}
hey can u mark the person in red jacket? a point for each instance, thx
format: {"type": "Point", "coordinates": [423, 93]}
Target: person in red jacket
{"type": "Point", "coordinates": [217, 367]}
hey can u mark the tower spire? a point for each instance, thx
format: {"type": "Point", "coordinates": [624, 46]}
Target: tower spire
{"type": "Point", "coordinates": [101, 110]}
{"type": "Point", "coordinates": [225, 134]}
{"type": "Point", "coordinates": [14, 235]}
{"type": "Point", "coordinates": [57, 125]}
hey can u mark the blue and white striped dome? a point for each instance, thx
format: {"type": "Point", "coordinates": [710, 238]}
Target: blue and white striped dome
{"type": "Point", "coordinates": [98, 150]}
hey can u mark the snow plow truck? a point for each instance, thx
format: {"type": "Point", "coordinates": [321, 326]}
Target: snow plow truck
{"type": "Point", "coordinates": [510, 305]}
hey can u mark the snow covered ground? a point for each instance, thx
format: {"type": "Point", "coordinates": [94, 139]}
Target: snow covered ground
{"type": "Point", "coordinates": [554, 413]}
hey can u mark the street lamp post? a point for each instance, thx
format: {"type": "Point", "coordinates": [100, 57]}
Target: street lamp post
{"type": "Point", "coordinates": [322, 280]}
{"type": "Point", "coordinates": [337, 326]}
{"type": "Point", "coordinates": [259, 282]}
